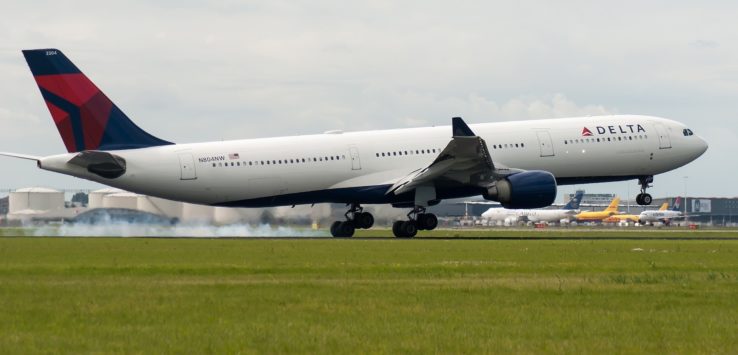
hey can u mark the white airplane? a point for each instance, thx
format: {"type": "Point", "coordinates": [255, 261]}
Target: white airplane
{"type": "Point", "coordinates": [509, 216]}
{"type": "Point", "coordinates": [518, 164]}
{"type": "Point", "coordinates": [663, 216]}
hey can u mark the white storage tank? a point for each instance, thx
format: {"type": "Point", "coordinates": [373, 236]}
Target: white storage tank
{"type": "Point", "coordinates": [160, 206]}
{"type": "Point", "coordinates": [35, 199]}
{"type": "Point", "coordinates": [96, 197]}
{"type": "Point", "coordinates": [126, 200]}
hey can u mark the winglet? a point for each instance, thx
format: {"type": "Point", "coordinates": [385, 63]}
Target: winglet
{"type": "Point", "coordinates": [460, 129]}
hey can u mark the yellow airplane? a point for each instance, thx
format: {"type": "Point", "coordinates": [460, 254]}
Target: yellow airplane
{"type": "Point", "coordinates": [635, 218]}
{"type": "Point", "coordinates": [595, 216]}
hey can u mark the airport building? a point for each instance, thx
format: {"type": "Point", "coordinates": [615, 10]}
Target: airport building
{"type": "Point", "coordinates": [4, 205]}
{"type": "Point", "coordinates": [38, 205]}
{"type": "Point", "coordinates": [42, 205]}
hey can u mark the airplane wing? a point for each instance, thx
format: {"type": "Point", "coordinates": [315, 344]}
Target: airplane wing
{"type": "Point", "coordinates": [465, 161]}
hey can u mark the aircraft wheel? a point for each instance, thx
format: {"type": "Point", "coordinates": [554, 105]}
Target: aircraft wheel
{"type": "Point", "coordinates": [364, 220]}
{"type": "Point", "coordinates": [335, 232]}
{"type": "Point", "coordinates": [427, 221]}
{"type": "Point", "coordinates": [342, 229]}
{"type": "Point", "coordinates": [396, 229]}
{"type": "Point", "coordinates": [646, 199]}
{"type": "Point", "coordinates": [409, 229]}
{"type": "Point", "coordinates": [639, 199]}
{"type": "Point", "coordinates": [347, 229]}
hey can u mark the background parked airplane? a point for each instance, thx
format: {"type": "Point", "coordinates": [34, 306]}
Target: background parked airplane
{"type": "Point", "coordinates": [597, 216]}
{"type": "Point", "coordinates": [511, 216]}
{"type": "Point", "coordinates": [664, 216]}
{"type": "Point", "coordinates": [520, 167]}
{"type": "Point", "coordinates": [631, 218]}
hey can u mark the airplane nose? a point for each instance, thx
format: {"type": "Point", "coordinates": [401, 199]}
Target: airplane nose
{"type": "Point", "coordinates": [702, 145]}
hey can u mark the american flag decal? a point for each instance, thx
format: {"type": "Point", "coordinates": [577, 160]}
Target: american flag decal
{"type": "Point", "coordinates": [233, 156]}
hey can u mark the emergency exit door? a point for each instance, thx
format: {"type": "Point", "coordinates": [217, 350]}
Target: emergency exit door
{"type": "Point", "coordinates": [187, 167]}
{"type": "Point", "coordinates": [355, 161]}
{"type": "Point", "coordinates": [545, 144]}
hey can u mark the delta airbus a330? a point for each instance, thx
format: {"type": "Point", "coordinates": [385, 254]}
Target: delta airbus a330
{"type": "Point", "coordinates": [518, 164]}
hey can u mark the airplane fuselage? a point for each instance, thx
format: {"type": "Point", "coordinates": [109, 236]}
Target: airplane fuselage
{"type": "Point", "coordinates": [359, 167]}
{"type": "Point", "coordinates": [532, 215]}
{"type": "Point", "coordinates": [656, 216]}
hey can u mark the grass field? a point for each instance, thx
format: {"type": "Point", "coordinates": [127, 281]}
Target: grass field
{"type": "Point", "coordinates": [103, 295]}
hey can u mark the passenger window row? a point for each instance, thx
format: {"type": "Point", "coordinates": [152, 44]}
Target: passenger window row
{"type": "Point", "coordinates": [507, 146]}
{"type": "Point", "coordinates": [280, 161]}
{"type": "Point", "coordinates": [609, 139]}
{"type": "Point", "coordinates": [408, 152]}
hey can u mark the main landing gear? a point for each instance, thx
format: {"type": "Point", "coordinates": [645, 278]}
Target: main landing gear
{"type": "Point", "coordinates": [355, 218]}
{"type": "Point", "coordinates": [643, 198]}
{"type": "Point", "coordinates": [417, 220]}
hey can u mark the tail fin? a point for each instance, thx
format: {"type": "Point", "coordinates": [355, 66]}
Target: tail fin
{"type": "Point", "coordinates": [574, 202]}
{"type": "Point", "coordinates": [613, 205]}
{"type": "Point", "coordinates": [85, 117]}
{"type": "Point", "coordinates": [664, 206]}
{"type": "Point", "coordinates": [677, 204]}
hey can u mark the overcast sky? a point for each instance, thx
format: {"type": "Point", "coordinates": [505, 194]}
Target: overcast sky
{"type": "Point", "coordinates": [191, 71]}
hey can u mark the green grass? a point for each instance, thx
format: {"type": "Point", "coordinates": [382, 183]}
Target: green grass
{"type": "Point", "coordinates": [109, 295]}
{"type": "Point", "coordinates": [556, 232]}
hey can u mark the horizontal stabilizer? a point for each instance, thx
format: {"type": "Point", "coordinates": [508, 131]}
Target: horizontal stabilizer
{"type": "Point", "coordinates": [20, 156]}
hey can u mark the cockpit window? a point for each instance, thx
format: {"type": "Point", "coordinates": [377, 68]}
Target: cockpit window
{"type": "Point", "coordinates": [687, 132]}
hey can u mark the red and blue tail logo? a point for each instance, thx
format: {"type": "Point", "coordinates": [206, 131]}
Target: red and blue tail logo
{"type": "Point", "coordinates": [85, 117]}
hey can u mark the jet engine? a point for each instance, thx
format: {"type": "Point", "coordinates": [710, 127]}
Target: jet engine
{"type": "Point", "coordinates": [528, 189]}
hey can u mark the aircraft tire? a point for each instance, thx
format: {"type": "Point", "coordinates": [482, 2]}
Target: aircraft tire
{"type": "Point", "coordinates": [427, 221]}
{"type": "Point", "coordinates": [396, 229]}
{"type": "Point", "coordinates": [409, 229]}
{"type": "Point", "coordinates": [364, 220]}
{"type": "Point", "coordinates": [335, 232]}
{"type": "Point", "coordinates": [646, 199]}
{"type": "Point", "coordinates": [342, 229]}
{"type": "Point", "coordinates": [347, 229]}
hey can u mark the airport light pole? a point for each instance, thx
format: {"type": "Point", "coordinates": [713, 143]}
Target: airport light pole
{"type": "Point", "coordinates": [686, 219]}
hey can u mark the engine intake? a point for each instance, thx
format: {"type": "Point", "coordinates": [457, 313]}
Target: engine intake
{"type": "Point", "coordinates": [529, 189]}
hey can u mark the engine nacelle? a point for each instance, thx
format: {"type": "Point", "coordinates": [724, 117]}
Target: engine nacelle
{"type": "Point", "coordinates": [529, 189]}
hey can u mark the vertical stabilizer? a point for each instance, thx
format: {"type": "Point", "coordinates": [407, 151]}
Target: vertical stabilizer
{"type": "Point", "coordinates": [85, 117]}
{"type": "Point", "coordinates": [575, 201]}
{"type": "Point", "coordinates": [613, 207]}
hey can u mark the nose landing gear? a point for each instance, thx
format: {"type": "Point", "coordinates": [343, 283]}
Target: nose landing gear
{"type": "Point", "coordinates": [643, 198]}
{"type": "Point", "coordinates": [417, 220]}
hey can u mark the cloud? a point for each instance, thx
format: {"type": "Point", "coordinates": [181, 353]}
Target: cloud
{"type": "Point", "coordinates": [704, 43]}
{"type": "Point", "coordinates": [196, 71]}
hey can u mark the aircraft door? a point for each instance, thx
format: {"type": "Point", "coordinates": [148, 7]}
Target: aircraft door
{"type": "Point", "coordinates": [187, 167]}
{"type": "Point", "coordinates": [545, 144]}
{"type": "Point", "coordinates": [664, 139]}
{"type": "Point", "coordinates": [355, 161]}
